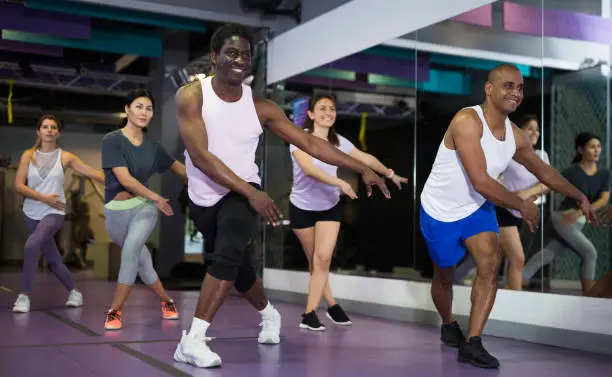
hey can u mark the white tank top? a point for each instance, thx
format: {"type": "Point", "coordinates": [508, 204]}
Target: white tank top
{"type": "Point", "coordinates": [517, 177]}
{"type": "Point", "coordinates": [233, 130]}
{"type": "Point", "coordinates": [52, 183]}
{"type": "Point", "coordinates": [448, 194]}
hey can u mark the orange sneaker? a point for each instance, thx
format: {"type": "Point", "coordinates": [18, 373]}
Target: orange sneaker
{"type": "Point", "coordinates": [169, 310]}
{"type": "Point", "coordinates": [113, 320]}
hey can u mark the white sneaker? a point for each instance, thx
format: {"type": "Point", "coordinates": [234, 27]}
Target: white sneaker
{"type": "Point", "coordinates": [75, 299]}
{"type": "Point", "coordinates": [22, 304]}
{"type": "Point", "coordinates": [270, 328]}
{"type": "Point", "coordinates": [193, 350]}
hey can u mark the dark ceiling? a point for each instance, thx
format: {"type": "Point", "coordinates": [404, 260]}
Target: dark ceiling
{"type": "Point", "coordinates": [86, 98]}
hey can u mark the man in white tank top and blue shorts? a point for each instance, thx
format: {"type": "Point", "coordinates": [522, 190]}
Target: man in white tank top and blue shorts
{"type": "Point", "coordinates": [459, 198]}
{"type": "Point", "coordinates": [220, 123]}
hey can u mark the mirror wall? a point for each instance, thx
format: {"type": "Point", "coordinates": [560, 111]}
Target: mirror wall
{"type": "Point", "coordinates": [395, 101]}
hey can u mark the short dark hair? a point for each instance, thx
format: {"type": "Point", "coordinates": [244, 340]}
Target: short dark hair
{"type": "Point", "coordinates": [526, 119]}
{"type": "Point", "coordinates": [133, 96]}
{"type": "Point", "coordinates": [582, 139]}
{"type": "Point", "coordinates": [138, 93]}
{"type": "Point", "coordinates": [227, 31]}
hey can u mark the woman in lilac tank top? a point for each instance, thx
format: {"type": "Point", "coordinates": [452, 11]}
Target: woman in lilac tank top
{"type": "Point", "coordinates": [314, 208]}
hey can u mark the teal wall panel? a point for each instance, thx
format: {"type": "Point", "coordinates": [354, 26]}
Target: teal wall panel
{"type": "Point", "coordinates": [117, 41]}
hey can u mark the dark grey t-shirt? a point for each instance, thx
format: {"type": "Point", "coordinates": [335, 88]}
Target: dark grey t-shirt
{"type": "Point", "coordinates": [142, 161]}
{"type": "Point", "coordinates": [590, 185]}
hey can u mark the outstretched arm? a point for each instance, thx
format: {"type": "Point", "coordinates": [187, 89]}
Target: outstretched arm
{"type": "Point", "coordinates": [525, 156]}
{"type": "Point", "coordinates": [273, 117]}
{"type": "Point", "coordinates": [550, 177]}
{"type": "Point", "coordinates": [179, 170]}
{"type": "Point", "coordinates": [193, 133]}
{"type": "Point", "coordinates": [535, 191]}
{"type": "Point", "coordinates": [76, 164]}
{"type": "Point", "coordinates": [374, 163]}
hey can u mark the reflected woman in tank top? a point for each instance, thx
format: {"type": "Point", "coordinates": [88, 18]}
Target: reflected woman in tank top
{"type": "Point", "coordinates": [514, 234]}
{"type": "Point", "coordinates": [40, 179]}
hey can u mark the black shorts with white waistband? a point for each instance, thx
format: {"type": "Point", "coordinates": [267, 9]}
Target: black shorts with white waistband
{"type": "Point", "coordinates": [507, 219]}
{"type": "Point", "coordinates": [301, 219]}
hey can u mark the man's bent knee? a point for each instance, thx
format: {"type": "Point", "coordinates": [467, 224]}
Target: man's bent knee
{"type": "Point", "coordinates": [487, 266]}
{"type": "Point", "coordinates": [444, 276]}
{"type": "Point", "coordinates": [245, 280]}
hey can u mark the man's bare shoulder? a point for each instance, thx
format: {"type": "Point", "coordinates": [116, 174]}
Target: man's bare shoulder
{"type": "Point", "coordinates": [520, 138]}
{"type": "Point", "coordinates": [465, 120]}
{"type": "Point", "coordinates": [190, 92]}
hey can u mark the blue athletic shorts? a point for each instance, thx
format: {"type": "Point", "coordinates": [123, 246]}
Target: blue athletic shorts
{"type": "Point", "coordinates": [445, 240]}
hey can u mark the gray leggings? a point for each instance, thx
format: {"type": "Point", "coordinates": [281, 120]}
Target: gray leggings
{"type": "Point", "coordinates": [568, 237]}
{"type": "Point", "coordinates": [130, 229]}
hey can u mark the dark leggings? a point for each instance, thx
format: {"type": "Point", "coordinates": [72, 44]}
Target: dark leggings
{"type": "Point", "coordinates": [41, 239]}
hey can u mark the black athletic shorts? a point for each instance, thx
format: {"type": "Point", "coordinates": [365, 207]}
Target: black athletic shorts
{"type": "Point", "coordinates": [229, 229]}
{"type": "Point", "coordinates": [301, 219]}
{"type": "Point", "coordinates": [507, 219]}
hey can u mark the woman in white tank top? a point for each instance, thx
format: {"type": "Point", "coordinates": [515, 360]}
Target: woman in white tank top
{"type": "Point", "coordinates": [40, 179]}
{"type": "Point", "coordinates": [314, 210]}
{"type": "Point", "coordinates": [514, 235]}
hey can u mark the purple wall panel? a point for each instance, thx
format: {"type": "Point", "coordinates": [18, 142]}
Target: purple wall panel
{"type": "Point", "coordinates": [557, 23]}
{"type": "Point", "coordinates": [20, 18]}
{"type": "Point", "coordinates": [482, 16]}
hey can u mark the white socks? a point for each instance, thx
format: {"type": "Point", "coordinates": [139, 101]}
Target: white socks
{"type": "Point", "coordinates": [267, 311]}
{"type": "Point", "coordinates": [198, 328]}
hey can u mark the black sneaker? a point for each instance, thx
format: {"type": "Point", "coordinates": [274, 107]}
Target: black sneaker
{"type": "Point", "coordinates": [451, 335]}
{"type": "Point", "coordinates": [310, 321]}
{"type": "Point", "coordinates": [474, 353]}
{"type": "Point", "coordinates": [338, 316]}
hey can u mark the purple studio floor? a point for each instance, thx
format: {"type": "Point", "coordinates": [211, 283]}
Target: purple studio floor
{"type": "Point", "coordinates": [54, 341]}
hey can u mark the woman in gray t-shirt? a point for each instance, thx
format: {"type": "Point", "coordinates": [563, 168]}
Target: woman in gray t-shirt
{"type": "Point", "coordinates": [131, 208]}
{"type": "Point", "coordinates": [568, 221]}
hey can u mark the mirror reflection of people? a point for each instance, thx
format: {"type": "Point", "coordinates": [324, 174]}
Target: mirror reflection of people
{"type": "Point", "coordinates": [518, 179]}
{"type": "Point", "coordinates": [568, 220]}
{"type": "Point", "coordinates": [315, 211]}
{"type": "Point", "coordinates": [457, 204]}
{"type": "Point", "coordinates": [40, 178]}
